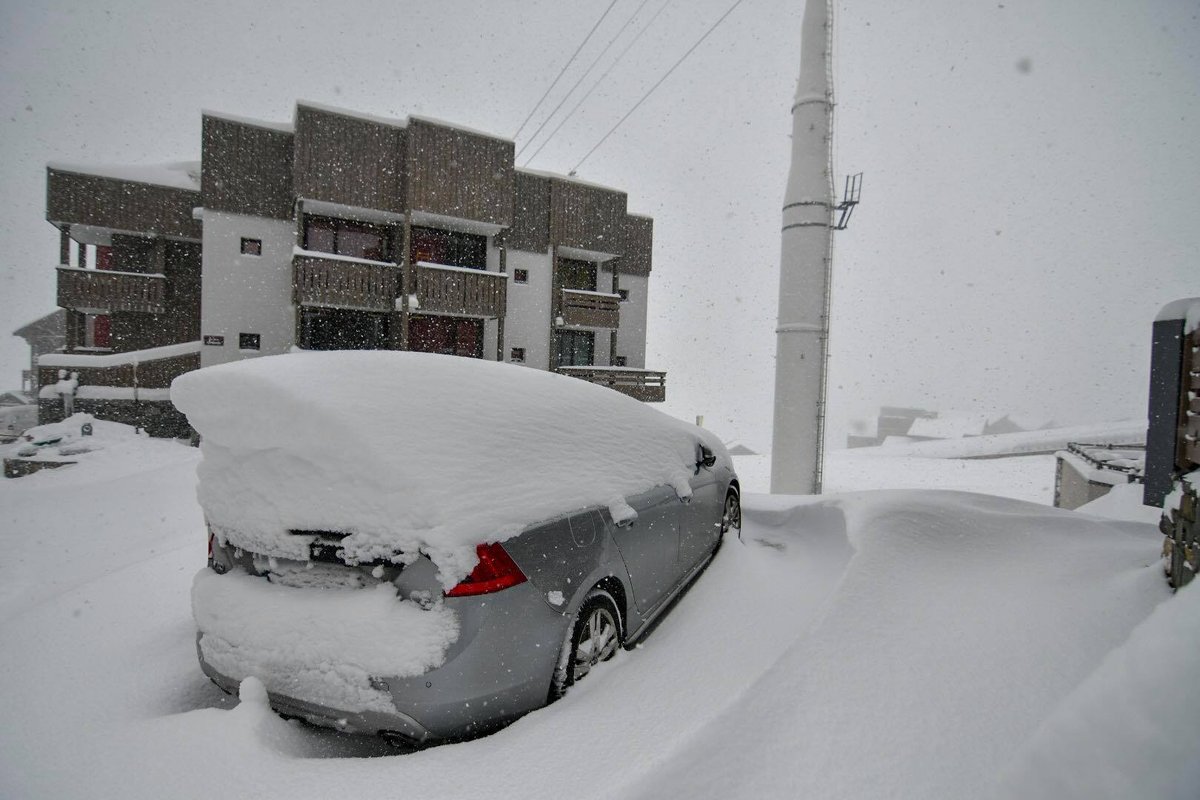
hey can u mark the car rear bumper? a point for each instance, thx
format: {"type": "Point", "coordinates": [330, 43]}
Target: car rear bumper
{"type": "Point", "coordinates": [499, 669]}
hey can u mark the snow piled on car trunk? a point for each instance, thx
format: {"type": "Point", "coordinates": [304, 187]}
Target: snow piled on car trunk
{"type": "Point", "coordinates": [323, 647]}
{"type": "Point", "coordinates": [414, 452]}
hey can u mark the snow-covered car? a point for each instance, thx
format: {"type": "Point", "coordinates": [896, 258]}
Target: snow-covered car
{"type": "Point", "coordinates": [425, 547]}
{"type": "Point", "coordinates": [18, 413]}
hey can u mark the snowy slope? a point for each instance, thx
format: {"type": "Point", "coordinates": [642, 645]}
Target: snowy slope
{"type": "Point", "coordinates": [905, 643]}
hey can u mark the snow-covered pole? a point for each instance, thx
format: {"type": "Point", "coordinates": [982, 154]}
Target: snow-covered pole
{"type": "Point", "coordinates": [803, 327]}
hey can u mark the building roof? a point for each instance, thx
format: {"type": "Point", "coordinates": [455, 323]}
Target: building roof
{"type": "Point", "coordinates": [53, 324]}
{"type": "Point", "coordinates": [174, 174]}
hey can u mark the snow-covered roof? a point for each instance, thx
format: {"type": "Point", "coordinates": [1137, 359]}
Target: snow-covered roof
{"type": "Point", "coordinates": [174, 174]}
{"type": "Point", "coordinates": [441, 123]}
{"type": "Point", "coordinates": [416, 452]}
{"type": "Point", "coordinates": [346, 112]}
{"type": "Point", "coordinates": [117, 359]}
{"type": "Point", "coordinates": [282, 127]}
{"type": "Point", "coordinates": [1178, 309]}
{"type": "Point", "coordinates": [569, 178]}
{"type": "Point", "coordinates": [948, 426]}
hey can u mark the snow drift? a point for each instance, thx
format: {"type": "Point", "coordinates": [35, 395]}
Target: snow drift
{"type": "Point", "coordinates": [414, 452]}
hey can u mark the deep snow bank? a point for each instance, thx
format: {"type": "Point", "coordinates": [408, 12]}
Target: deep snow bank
{"type": "Point", "coordinates": [1130, 729]}
{"type": "Point", "coordinates": [959, 623]}
{"type": "Point", "coordinates": [415, 452]}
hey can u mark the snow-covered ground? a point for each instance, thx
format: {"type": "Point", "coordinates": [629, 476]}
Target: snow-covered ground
{"type": "Point", "coordinates": [914, 642]}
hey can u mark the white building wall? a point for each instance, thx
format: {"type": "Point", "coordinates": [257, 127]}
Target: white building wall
{"type": "Point", "coordinates": [246, 294]}
{"type": "Point", "coordinates": [631, 336]}
{"type": "Point", "coordinates": [528, 322]}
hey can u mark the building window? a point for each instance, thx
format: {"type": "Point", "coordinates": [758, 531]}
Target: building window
{"type": "Point", "coordinates": [449, 248]}
{"type": "Point", "coordinates": [518, 355]}
{"type": "Point", "coordinates": [520, 276]}
{"type": "Point", "coordinates": [248, 341]}
{"type": "Point", "coordinates": [576, 348]}
{"type": "Point", "coordinates": [455, 336]}
{"type": "Point", "coordinates": [619, 361]}
{"type": "Point", "coordinates": [345, 238]}
{"type": "Point", "coordinates": [580, 275]}
{"type": "Point", "coordinates": [624, 293]}
{"type": "Point", "coordinates": [251, 247]}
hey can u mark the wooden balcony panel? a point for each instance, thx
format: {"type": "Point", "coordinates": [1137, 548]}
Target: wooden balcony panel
{"type": "Point", "coordinates": [344, 284]}
{"type": "Point", "coordinates": [590, 309]}
{"type": "Point", "coordinates": [649, 386]}
{"type": "Point", "coordinates": [152, 374]}
{"type": "Point", "coordinates": [462, 292]}
{"type": "Point", "coordinates": [105, 290]}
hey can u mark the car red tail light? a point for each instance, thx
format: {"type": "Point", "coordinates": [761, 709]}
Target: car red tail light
{"type": "Point", "coordinates": [495, 571]}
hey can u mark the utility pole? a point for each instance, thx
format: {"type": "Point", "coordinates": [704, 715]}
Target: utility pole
{"type": "Point", "coordinates": [804, 271]}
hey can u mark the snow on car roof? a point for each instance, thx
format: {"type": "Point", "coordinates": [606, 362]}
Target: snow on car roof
{"type": "Point", "coordinates": [416, 452]}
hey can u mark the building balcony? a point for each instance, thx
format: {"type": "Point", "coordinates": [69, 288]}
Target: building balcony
{"type": "Point", "coordinates": [590, 309]}
{"type": "Point", "coordinates": [108, 290]}
{"type": "Point", "coordinates": [337, 282]}
{"type": "Point", "coordinates": [649, 386]}
{"type": "Point", "coordinates": [460, 291]}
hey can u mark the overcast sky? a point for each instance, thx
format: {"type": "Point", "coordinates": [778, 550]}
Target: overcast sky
{"type": "Point", "coordinates": [1031, 168]}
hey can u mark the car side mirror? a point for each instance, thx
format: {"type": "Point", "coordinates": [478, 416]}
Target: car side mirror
{"type": "Point", "coordinates": [707, 458]}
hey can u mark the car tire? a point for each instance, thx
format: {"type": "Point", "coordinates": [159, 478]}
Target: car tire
{"type": "Point", "coordinates": [595, 636]}
{"type": "Point", "coordinates": [731, 516]}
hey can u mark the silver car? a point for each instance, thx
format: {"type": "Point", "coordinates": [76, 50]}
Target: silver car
{"type": "Point", "coordinates": [537, 613]}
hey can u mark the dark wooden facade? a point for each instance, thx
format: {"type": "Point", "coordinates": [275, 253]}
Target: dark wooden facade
{"type": "Point", "coordinates": [590, 309]}
{"type": "Point", "coordinates": [246, 169]}
{"type": "Point", "coordinates": [587, 217]}
{"type": "Point", "coordinates": [530, 230]}
{"type": "Point", "coordinates": [349, 160]}
{"type": "Point", "coordinates": [123, 205]}
{"type": "Point", "coordinates": [649, 386]}
{"type": "Point", "coordinates": [460, 174]}
{"type": "Point", "coordinates": [106, 291]}
{"type": "Point", "coordinates": [638, 253]}
{"type": "Point", "coordinates": [334, 283]}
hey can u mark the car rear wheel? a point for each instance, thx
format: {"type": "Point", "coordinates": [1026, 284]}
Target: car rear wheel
{"type": "Point", "coordinates": [595, 637]}
{"type": "Point", "coordinates": [731, 517]}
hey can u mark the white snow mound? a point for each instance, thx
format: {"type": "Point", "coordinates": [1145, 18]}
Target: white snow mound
{"type": "Point", "coordinates": [415, 452]}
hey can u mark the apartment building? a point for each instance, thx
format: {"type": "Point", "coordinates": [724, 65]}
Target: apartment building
{"type": "Point", "coordinates": [339, 231]}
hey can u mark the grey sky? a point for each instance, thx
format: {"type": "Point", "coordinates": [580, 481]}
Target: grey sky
{"type": "Point", "coordinates": [1031, 167]}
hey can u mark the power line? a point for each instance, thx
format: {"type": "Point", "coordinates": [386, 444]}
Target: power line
{"type": "Point", "coordinates": [564, 69]}
{"type": "Point", "coordinates": [583, 77]}
{"type": "Point", "coordinates": [656, 85]}
{"type": "Point", "coordinates": [596, 85]}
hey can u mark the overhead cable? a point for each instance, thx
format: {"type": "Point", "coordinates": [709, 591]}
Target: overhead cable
{"type": "Point", "coordinates": [596, 85]}
{"type": "Point", "coordinates": [564, 69]}
{"type": "Point", "coordinates": [656, 85]}
{"type": "Point", "coordinates": [583, 77]}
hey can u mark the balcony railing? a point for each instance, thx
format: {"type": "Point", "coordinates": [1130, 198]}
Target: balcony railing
{"type": "Point", "coordinates": [135, 375]}
{"type": "Point", "coordinates": [107, 290]}
{"type": "Point", "coordinates": [648, 386]}
{"type": "Point", "coordinates": [590, 309]}
{"type": "Point", "coordinates": [462, 291]}
{"type": "Point", "coordinates": [336, 283]}
{"type": "Point", "coordinates": [367, 286]}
